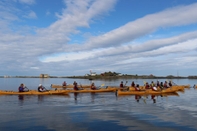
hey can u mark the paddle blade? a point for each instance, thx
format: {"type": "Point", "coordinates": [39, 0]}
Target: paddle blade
{"type": "Point", "coordinates": [102, 85]}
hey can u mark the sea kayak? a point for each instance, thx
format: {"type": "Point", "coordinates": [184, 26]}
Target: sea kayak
{"type": "Point", "coordinates": [68, 86]}
{"type": "Point", "coordinates": [147, 92]}
{"type": "Point", "coordinates": [34, 92]}
{"type": "Point", "coordinates": [91, 91]}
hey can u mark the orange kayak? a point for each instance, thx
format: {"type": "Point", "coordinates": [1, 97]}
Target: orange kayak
{"type": "Point", "coordinates": [147, 92]}
{"type": "Point", "coordinates": [34, 92]}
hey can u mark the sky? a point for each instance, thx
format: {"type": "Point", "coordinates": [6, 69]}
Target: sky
{"type": "Point", "coordinates": [72, 37]}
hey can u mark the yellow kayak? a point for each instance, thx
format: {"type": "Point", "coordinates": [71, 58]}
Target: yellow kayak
{"type": "Point", "coordinates": [177, 88]}
{"type": "Point", "coordinates": [91, 91]}
{"type": "Point", "coordinates": [68, 86]}
{"type": "Point", "coordinates": [147, 92]}
{"type": "Point", "coordinates": [34, 92]}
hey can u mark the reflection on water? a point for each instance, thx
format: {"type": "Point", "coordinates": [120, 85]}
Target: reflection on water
{"type": "Point", "coordinates": [99, 111]}
{"type": "Point", "coordinates": [95, 112]}
{"type": "Point", "coordinates": [21, 97]}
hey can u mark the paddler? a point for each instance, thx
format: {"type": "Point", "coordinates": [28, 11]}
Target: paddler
{"type": "Point", "coordinates": [165, 84]}
{"type": "Point", "coordinates": [161, 86]}
{"type": "Point", "coordinates": [76, 86]}
{"type": "Point", "coordinates": [132, 84]}
{"type": "Point", "coordinates": [147, 86]}
{"type": "Point", "coordinates": [93, 87]}
{"type": "Point", "coordinates": [137, 88]}
{"type": "Point", "coordinates": [170, 84]}
{"type": "Point", "coordinates": [64, 83]}
{"type": "Point", "coordinates": [22, 87]}
{"type": "Point", "coordinates": [121, 86]}
{"type": "Point", "coordinates": [41, 88]}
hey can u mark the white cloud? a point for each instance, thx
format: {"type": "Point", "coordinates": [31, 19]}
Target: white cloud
{"type": "Point", "coordinates": [177, 16]}
{"type": "Point", "coordinates": [113, 50]}
{"type": "Point", "coordinates": [36, 68]}
{"type": "Point", "coordinates": [31, 15]}
{"type": "Point", "coordinates": [27, 1]}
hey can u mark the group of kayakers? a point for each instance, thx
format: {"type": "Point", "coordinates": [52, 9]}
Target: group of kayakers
{"type": "Point", "coordinates": [76, 87]}
{"type": "Point", "coordinates": [152, 85]}
{"type": "Point", "coordinates": [23, 88]}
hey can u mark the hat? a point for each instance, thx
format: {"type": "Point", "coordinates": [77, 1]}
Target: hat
{"type": "Point", "coordinates": [40, 85]}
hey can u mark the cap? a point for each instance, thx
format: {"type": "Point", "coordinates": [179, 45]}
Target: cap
{"type": "Point", "coordinates": [40, 85]}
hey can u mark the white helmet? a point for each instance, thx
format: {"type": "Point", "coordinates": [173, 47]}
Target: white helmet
{"type": "Point", "coordinates": [40, 85]}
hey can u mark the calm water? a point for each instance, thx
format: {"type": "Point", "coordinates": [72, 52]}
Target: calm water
{"type": "Point", "coordinates": [95, 112]}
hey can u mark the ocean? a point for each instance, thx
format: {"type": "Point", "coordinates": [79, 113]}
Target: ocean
{"type": "Point", "coordinates": [96, 111]}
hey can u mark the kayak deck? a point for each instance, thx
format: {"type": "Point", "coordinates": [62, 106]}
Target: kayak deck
{"type": "Point", "coordinates": [68, 86]}
{"type": "Point", "coordinates": [34, 92]}
{"type": "Point", "coordinates": [91, 91]}
{"type": "Point", "coordinates": [147, 92]}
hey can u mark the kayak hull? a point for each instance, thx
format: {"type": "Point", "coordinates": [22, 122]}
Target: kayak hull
{"type": "Point", "coordinates": [91, 91]}
{"type": "Point", "coordinates": [177, 88]}
{"type": "Point", "coordinates": [147, 92]}
{"type": "Point", "coordinates": [68, 86]}
{"type": "Point", "coordinates": [33, 92]}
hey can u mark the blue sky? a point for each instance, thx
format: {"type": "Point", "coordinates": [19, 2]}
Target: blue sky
{"type": "Point", "coordinates": [72, 37]}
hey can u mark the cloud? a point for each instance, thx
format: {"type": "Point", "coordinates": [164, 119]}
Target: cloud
{"type": "Point", "coordinates": [113, 50]}
{"type": "Point", "coordinates": [77, 14]}
{"type": "Point", "coordinates": [177, 16]}
{"type": "Point", "coordinates": [29, 2]}
{"type": "Point", "coordinates": [31, 15]}
{"type": "Point", "coordinates": [150, 48]}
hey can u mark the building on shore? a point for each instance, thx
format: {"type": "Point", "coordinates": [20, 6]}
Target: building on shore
{"type": "Point", "coordinates": [44, 75]}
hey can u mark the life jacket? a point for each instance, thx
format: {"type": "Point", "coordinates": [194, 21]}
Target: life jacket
{"type": "Point", "coordinates": [93, 87]}
{"type": "Point", "coordinates": [147, 86]}
{"type": "Point", "coordinates": [137, 89]}
{"type": "Point", "coordinates": [40, 89]}
{"type": "Point", "coordinates": [121, 85]}
{"type": "Point", "coordinates": [154, 88]}
{"type": "Point", "coordinates": [64, 84]}
{"type": "Point", "coordinates": [75, 87]}
{"type": "Point", "coordinates": [20, 89]}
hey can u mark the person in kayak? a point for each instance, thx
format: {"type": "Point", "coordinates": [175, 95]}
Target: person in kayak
{"type": "Point", "coordinates": [41, 88]}
{"type": "Point", "coordinates": [165, 85]}
{"type": "Point", "coordinates": [161, 85]}
{"type": "Point", "coordinates": [158, 84]}
{"type": "Point", "coordinates": [76, 86]}
{"type": "Point", "coordinates": [152, 84]}
{"type": "Point", "coordinates": [64, 83]}
{"type": "Point", "coordinates": [170, 84]}
{"type": "Point", "coordinates": [137, 88]}
{"type": "Point", "coordinates": [132, 84]}
{"type": "Point", "coordinates": [22, 88]}
{"type": "Point", "coordinates": [122, 86]}
{"type": "Point", "coordinates": [93, 87]}
{"type": "Point", "coordinates": [147, 86]}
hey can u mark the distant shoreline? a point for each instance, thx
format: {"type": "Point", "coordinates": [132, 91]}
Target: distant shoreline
{"type": "Point", "coordinates": [109, 77]}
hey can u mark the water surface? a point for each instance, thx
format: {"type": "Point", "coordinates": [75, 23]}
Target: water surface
{"type": "Point", "coordinates": [95, 111]}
